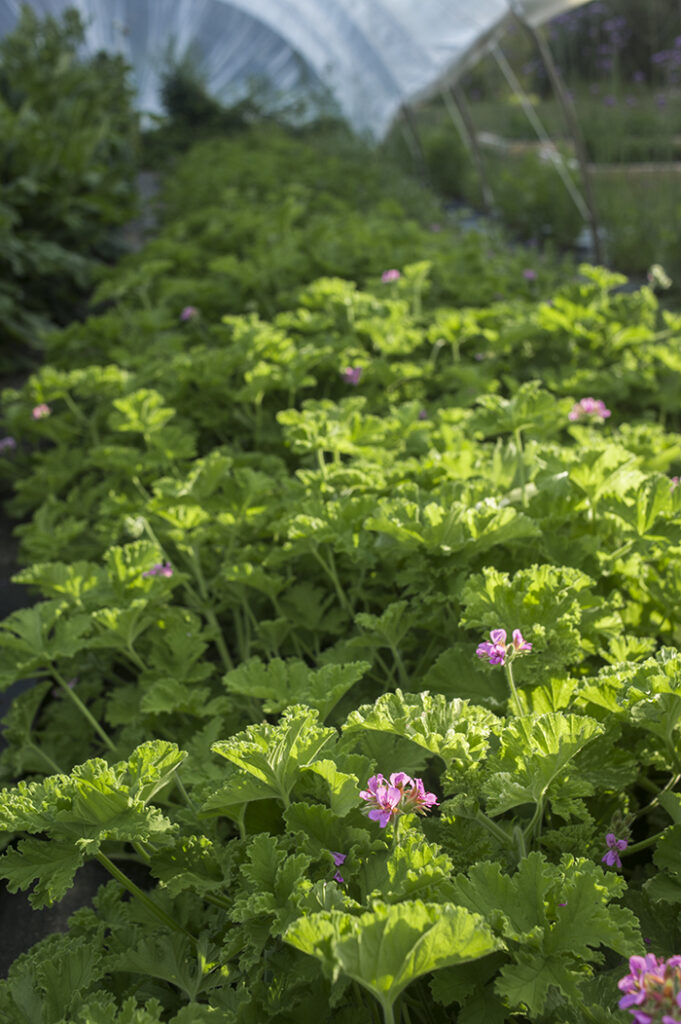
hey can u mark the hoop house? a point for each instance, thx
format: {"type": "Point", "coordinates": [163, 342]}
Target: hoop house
{"type": "Point", "coordinates": [373, 56]}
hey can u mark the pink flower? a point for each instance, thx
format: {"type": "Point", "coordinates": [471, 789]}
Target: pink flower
{"type": "Point", "coordinates": [593, 407]}
{"type": "Point", "coordinates": [673, 482]}
{"type": "Point", "coordinates": [423, 415]}
{"type": "Point", "coordinates": [160, 569]}
{"type": "Point", "coordinates": [401, 795]}
{"type": "Point", "coordinates": [520, 645]}
{"type": "Point", "coordinates": [352, 375]}
{"type": "Point", "coordinates": [41, 411]}
{"type": "Point", "coordinates": [390, 275]}
{"type": "Point", "coordinates": [498, 650]}
{"type": "Point", "coordinates": [652, 989]}
{"type": "Point", "coordinates": [529, 274]}
{"type": "Point", "coordinates": [189, 313]}
{"type": "Point", "coordinates": [612, 857]}
{"type": "Point", "coordinates": [7, 444]}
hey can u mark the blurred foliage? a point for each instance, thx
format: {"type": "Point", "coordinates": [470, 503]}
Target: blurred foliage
{"type": "Point", "coordinates": [67, 172]}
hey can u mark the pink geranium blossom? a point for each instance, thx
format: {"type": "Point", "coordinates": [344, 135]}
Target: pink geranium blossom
{"type": "Point", "coordinates": [390, 275]}
{"type": "Point", "coordinates": [352, 375]}
{"type": "Point", "coordinates": [652, 989]}
{"type": "Point", "coordinates": [612, 857]}
{"type": "Point", "coordinates": [39, 412]}
{"type": "Point", "coordinates": [400, 795]}
{"type": "Point", "coordinates": [189, 313]}
{"type": "Point", "coordinates": [591, 407]}
{"type": "Point", "coordinates": [498, 651]}
{"type": "Point", "coordinates": [160, 569]}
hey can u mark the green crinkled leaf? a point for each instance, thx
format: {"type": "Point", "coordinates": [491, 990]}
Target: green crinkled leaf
{"type": "Point", "coordinates": [320, 829]}
{"type": "Point", "coordinates": [79, 581]}
{"type": "Point", "coordinates": [283, 683]}
{"type": "Point", "coordinates": [275, 754]}
{"type": "Point", "coordinates": [414, 869]}
{"type": "Point", "coordinates": [390, 946]}
{"type": "Point", "coordinates": [557, 911]}
{"type": "Point", "coordinates": [527, 981]}
{"type": "Point", "coordinates": [170, 957]}
{"type": "Point", "coordinates": [552, 606]}
{"type": "Point", "coordinates": [531, 410]}
{"type": "Point", "coordinates": [97, 801]}
{"type": "Point", "coordinates": [52, 864]}
{"type": "Point", "coordinates": [273, 876]}
{"type": "Point", "coordinates": [454, 730]}
{"type": "Point", "coordinates": [534, 752]}
{"type": "Point", "coordinates": [239, 790]}
{"type": "Point", "coordinates": [343, 788]}
{"type": "Point", "coordinates": [33, 637]}
{"type": "Point", "coordinates": [666, 885]}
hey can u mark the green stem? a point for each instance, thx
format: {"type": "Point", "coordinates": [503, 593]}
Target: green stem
{"type": "Point", "coordinates": [401, 670]}
{"type": "Point", "coordinates": [180, 785]}
{"type": "Point", "coordinates": [656, 799]}
{"type": "Point", "coordinates": [135, 658]}
{"type": "Point", "coordinates": [509, 675]}
{"type": "Point", "coordinates": [388, 1015]}
{"type": "Point", "coordinates": [139, 894]}
{"type": "Point", "coordinates": [210, 614]}
{"type": "Point", "coordinates": [396, 831]}
{"type": "Point", "coordinates": [53, 764]}
{"type": "Point", "coordinates": [644, 844]}
{"type": "Point", "coordinates": [492, 827]}
{"type": "Point", "coordinates": [83, 710]}
{"type": "Point", "coordinates": [521, 464]}
{"type": "Point", "coordinates": [330, 570]}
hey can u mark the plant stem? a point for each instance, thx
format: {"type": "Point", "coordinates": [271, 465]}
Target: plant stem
{"type": "Point", "coordinates": [492, 827]}
{"type": "Point", "coordinates": [521, 464]}
{"type": "Point", "coordinates": [53, 764]}
{"type": "Point", "coordinates": [209, 613]}
{"type": "Point", "coordinates": [509, 675]}
{"type": "Point", "coordinates": [644, 844]}
{"type": "Point", "coordinates": [388, 1015]}
{"type": "Point", "coordinates": [138, 893]}
{"type": "Point", "coordinates": [330, 570]}
{"type": "Point", "coordinates": [83, 710]}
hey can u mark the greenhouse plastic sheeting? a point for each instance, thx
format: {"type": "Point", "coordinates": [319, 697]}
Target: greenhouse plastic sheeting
{"type": "Point", "coordinates": [372, 55]}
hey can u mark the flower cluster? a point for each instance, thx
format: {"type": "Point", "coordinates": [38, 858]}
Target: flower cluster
{"type": "Point", "coordinates": [7, 444]}
{"type": "Point", "coordinates": [188, 313]}
{"type": "Point", "coordinates": [589, 407]}
{"type": "Point", "coordinates": [529, 274]}
{"type": "Point", "coordinates": [39, 412]}
{"type": "Point", "coordinates": [612, 857]}
{"type": "Point", "coordinates": [498, 651]}
{"type": "Point", "coordinates": [390, 275]}
{"type": "Point", "coordinates": [652, 989]}
{"type": "Point", "coordinates": [401, 795]}
{"type": "Point", "coordinates": [160, 569]}
{"type": "Point", "coordinates": [352, 374]}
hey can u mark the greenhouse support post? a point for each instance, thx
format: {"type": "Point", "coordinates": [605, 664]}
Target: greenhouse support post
{"type": "Point", "coordinates": [460, 113]}
{"type": "Point", "coordinates": [411, 133]}
{"type": "Point", "coordinates": [568, 108]}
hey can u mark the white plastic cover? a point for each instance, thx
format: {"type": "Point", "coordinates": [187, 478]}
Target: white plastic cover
{"type": "Point", "coordinates": [372, 55]}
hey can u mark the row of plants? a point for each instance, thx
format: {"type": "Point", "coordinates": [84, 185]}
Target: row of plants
{"type": "Point", "coordinates": [272, 519]}
{"type": "Point", "coordinates": [637, 208]}
{"type": "Point", "coordinates": [67, 167]}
